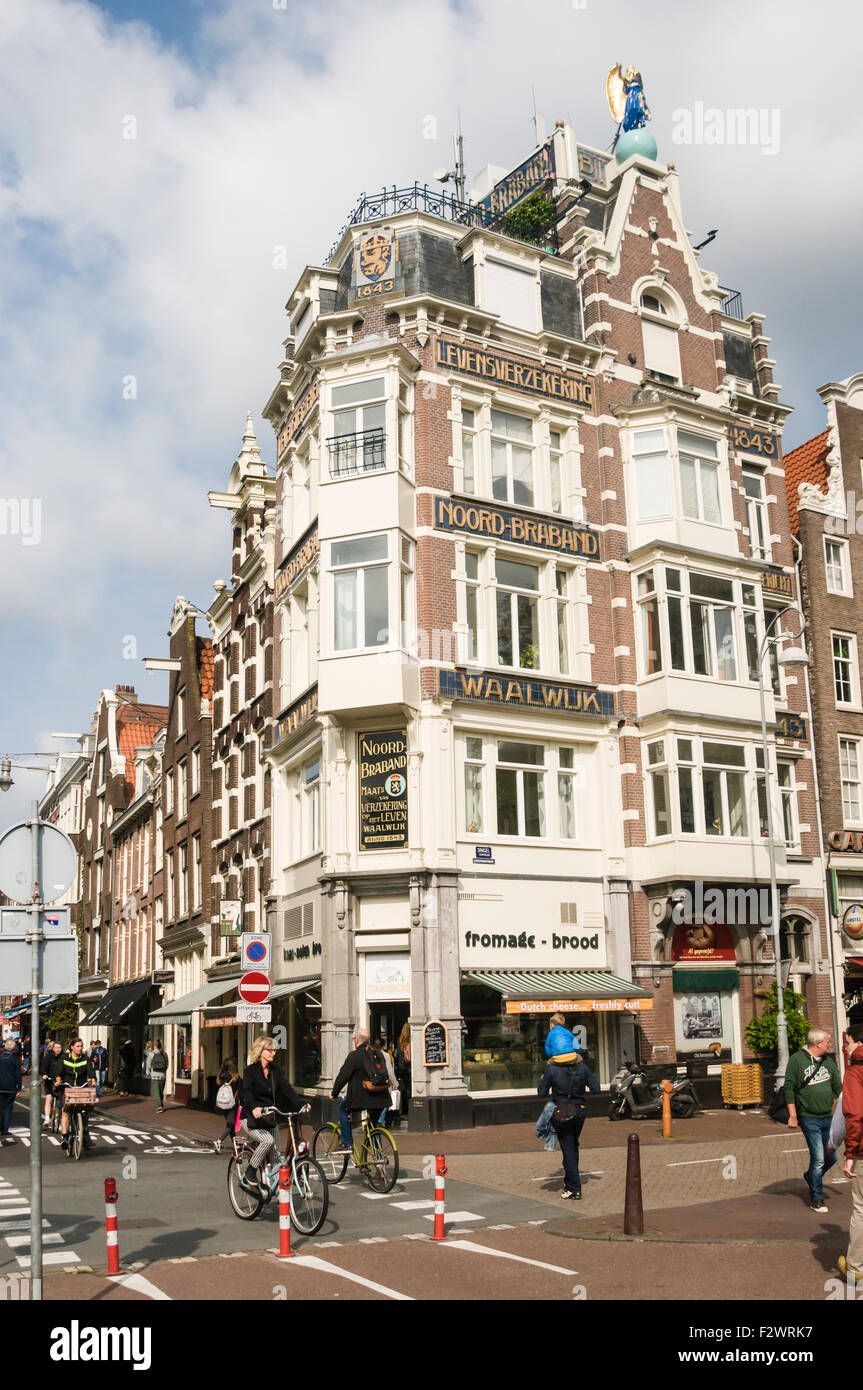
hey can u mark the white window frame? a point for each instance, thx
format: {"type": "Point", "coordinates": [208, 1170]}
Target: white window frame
{"type": "Point", "coordinates": [756, 512]}
{"type": "Point", "coordinates": [845, 586]}
{"type": "Point", "coordinates": [669, 767]}
{"type": "Point", "coordinates": [660, 337]}
{"type": "Point", "coordinates": [357, 409]}
{"type": "Point", "coordinates": [535, 595]}
{"type": "Point", "coordinates": [641, 451]}
{"type": "Point", "coordinates": [857, 782]}
{"type": "Point", "coordinates": [559, 761]}
{"type": "Point", "coordinates": [197, 877]}
{"type": "Point", "coordinates": [359, 567]}
{"type": "Point", "coordinates": [511, 292]}
{"type": "Point", "coordinates": [703, 462]}
{"type": "Point", "coordinates": [854, 669]}
{"type": "Point", "coordinates": [182, 791]}
{"type": "Point", "coordinates": [509, 442]}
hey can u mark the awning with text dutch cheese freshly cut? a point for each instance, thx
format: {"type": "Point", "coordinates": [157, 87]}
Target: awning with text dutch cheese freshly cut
{"type": "Point", "coordinates": [564, 991]}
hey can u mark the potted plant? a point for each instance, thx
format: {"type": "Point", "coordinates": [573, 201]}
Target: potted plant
{"type": "Point", "coordinates": [532, 220]}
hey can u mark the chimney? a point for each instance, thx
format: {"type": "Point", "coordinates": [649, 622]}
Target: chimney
{"type": "Point", "coordinates": [126, 692]}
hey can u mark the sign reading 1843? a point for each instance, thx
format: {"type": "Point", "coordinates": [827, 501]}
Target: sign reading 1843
{"type": "Point", "coordinates": [383, 760]}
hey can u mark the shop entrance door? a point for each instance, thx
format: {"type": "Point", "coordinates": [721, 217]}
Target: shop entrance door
{"type": "Point", "coordinates": [386, 1021]}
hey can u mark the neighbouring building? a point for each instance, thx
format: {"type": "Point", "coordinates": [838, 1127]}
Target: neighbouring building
{"type": "Point", "coordinates": [62, 804]}
{"type": "Point", "coordinates": [825, 503]}
{"type": "Point", "coordinates": [114, 992]}
{"type": "Point", "coordinates": [186, 935]}
{"type": "Point", "coordinates": [531, 535]}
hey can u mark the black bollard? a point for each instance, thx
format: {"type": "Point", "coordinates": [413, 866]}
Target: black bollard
{"type": "Point", "coordinates": [633, 1215]}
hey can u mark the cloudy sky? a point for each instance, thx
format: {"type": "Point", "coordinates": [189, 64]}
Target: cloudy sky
{"type": "Point", "coordinates": [153, 153]}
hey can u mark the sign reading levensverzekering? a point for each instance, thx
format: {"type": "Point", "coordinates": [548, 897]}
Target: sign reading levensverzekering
{"type": "Point", "coordinates": [383, 789]}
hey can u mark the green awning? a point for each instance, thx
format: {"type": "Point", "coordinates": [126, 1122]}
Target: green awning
{"type": "Point", "coordinates": [558, 984]}
{"type": "Point", "coordinates": [686, 981]}
{"type": "Point", "coordinates": [188, 1004]}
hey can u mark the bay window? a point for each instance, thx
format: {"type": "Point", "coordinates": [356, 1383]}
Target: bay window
{"type": "Point", "coordinates": [699, 477]}
{"type": "Point", "coordinates": [512, 458]}
{"type": "Point", "coordinates": [652, 480]}
{"type": "Point", "coordinates": [360, 592]}
{"type": "Point", "coordinates": [517, 614]}
{"type": "Point", "coordinates": [700, 786]}
{"type": "Point", "coordinates": [648, 608]}
{"type": "Point", "coordinates": [359, 420]}
{"type": "Point", "coordinates": [711, 622]}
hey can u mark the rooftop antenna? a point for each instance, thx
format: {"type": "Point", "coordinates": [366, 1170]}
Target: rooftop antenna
{"type": "Point", "coordinates": [457, 174]}
{"type": "Point", "coordinates": [538, 120]}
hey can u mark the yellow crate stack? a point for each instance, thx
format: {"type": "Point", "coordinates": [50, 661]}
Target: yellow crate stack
{"type": "Point", "coordinates": [742, 1084]}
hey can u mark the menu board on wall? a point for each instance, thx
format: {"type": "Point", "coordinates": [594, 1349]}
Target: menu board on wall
{"type": "Point", "coordinates": [435, 1044]}
{"type": "Point", "coordinates": [383, 792]}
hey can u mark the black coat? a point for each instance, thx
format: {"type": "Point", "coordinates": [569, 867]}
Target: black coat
{"type": "Point", "coordinates": [128, 1058]}
{"type": "Point", "coordinates": [257, 1089]}
{"type": "Point", "coordinates": [352, 1075]}
{"type": "Point", "coordinates": [10, 1072]}
{"type": "Point", "coordinates": [556, 1082]}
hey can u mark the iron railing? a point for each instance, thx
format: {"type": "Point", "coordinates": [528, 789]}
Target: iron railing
{"type": "Point", "coordinates": [732, 303]}
{"type": "Point", "coordinates": [420, 198]}
{"type": "Point", "coordinates": [361, 452]}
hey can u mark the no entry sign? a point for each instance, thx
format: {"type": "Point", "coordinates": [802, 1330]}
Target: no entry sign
{"type": "Point", "coordinates": [254, 987]}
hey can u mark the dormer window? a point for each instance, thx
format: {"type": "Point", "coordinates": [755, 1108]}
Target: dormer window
{"type": "Point", "coordinates": [659, 327]}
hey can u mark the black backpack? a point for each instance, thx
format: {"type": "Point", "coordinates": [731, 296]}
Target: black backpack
{"type": "Point", "coordinates": [377, 1076]}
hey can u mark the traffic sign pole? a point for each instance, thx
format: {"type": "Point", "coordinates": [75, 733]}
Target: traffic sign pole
{"type": "Point", "coordinates": [35, 935]}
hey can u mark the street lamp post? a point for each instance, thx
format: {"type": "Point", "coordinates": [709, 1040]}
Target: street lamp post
{"type": "Point", "coordinates": [793, 656]}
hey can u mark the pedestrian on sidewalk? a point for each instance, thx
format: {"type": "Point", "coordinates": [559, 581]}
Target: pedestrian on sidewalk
{"type": "Point", "coordinates": [812, 1082]}
{"type": "Point", "coordinates": [158, 1075]}
{"type": "Point", "coordinates": [50, 1068]}
{"type": "Point", "coordinates": [99, 1058]}
{"type": "Point", "coordinates": [851, 1265]}
{"type": "Point", "coordinates": [229, 1085]}
{"type": "Point", "coordinates": [128, 1062]}
{"type": "Point", "coordinates": [149, 1049]}
{"type": "Point", "coordinates": [566, 1083]}
{"type": "Point", "coordinates": [10, 1087]}
{"type": "Point", "coordinates": [403, 1069]}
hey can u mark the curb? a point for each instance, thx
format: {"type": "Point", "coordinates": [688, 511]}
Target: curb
{"type": "Point", "coordinates": [657, 1238]}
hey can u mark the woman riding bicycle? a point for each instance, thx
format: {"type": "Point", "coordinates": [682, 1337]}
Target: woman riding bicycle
{"type": "Point", "coordinates": [263, 1086]}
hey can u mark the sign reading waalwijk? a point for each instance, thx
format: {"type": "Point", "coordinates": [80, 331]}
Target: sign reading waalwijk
{"type": "Point", "coordinates": [518, 528]}
{"type": "Point", "coordinates": [493, 688]}
{"type": "Point", "coordinates": [532, 377]}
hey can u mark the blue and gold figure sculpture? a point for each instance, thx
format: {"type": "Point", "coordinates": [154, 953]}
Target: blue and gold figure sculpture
{"type": "Point", "coordinates": [626, 101]}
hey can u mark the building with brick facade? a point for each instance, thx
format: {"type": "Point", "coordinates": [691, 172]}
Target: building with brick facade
{"type": "Point", "coordinates": [531, 536]}
{"type": "Point", "coordinates": [62, 804]}
{"type": "Point", "coordinates": [825, 504]}
{"type": "Point", "coordinates": [117, 926]}
{"type": "Point", "coordinates": [184, 844]}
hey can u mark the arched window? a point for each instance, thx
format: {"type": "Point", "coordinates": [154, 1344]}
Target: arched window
{"type": "Point", "coordinates": [659, 336]}
{"type": "Point", "coordinates": [794, 939]}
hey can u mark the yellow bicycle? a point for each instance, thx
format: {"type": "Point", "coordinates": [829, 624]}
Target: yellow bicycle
{"type": "Point", "coordinates": [376, 1155]}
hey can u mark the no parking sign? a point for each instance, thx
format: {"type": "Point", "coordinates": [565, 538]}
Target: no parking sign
{"type": "Point", "coordinates": [255, 950]}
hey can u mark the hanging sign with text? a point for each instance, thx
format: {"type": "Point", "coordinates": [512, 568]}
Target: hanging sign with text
{"type": "Point", "coordinates": [383, 779]}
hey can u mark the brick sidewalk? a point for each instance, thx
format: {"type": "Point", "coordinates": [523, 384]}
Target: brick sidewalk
{"type": "Point", "coordinates": [719, 1126]}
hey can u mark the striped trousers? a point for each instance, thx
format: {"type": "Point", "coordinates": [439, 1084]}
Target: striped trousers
{"type": "Point", "coordinates": [264, 1140]}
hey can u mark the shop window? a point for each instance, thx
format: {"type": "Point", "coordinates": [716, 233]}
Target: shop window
{"type": "Point", "coordinates": [506, 1052]}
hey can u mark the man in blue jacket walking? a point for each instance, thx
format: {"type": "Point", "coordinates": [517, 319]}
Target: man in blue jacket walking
{"type": "Point", "coordinates": [567, 1085]}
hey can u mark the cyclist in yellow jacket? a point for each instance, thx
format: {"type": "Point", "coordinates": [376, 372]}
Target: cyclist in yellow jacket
{"type": "Point", "coordinates": [74, 1070]}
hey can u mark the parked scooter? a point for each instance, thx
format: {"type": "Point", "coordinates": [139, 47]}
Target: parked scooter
{"type": "Point", "coordinates": [633, 1093]}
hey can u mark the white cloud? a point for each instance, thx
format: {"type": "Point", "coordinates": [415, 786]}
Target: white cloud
{"type": "Point", "coordinates": [152, 257]}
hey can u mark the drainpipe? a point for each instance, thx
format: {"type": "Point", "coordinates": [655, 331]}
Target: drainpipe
{"type": "Point", "coordinates": [828, 914]}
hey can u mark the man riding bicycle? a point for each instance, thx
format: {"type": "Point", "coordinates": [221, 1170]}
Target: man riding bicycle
{"type": "Point", "coordinates": [74, 1070]}
{"type": "Point", "coordinates": [264, 1086]}
{"type": "Point", "coordinates": [367, 1074]}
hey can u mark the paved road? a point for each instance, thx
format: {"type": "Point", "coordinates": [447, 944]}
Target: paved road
{"type": "Point", "coordinates": [174, 1204]}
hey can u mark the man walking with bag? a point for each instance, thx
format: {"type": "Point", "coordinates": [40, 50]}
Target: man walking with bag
{"type": "Point", "coordinates": [567, 1083]}
{"type": "Point", "coordinates": [812, 1082]}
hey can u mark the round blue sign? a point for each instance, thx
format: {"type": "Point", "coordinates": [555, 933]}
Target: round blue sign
{"type": "Point", "coordinates": [256, 950]}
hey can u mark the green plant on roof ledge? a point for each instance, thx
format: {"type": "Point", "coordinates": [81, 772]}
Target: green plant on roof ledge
{"type": "Point", "coordinates": [532, 221]}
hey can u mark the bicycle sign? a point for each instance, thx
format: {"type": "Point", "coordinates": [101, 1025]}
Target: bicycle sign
{"type": "Point", "coordinates": [255, 949]}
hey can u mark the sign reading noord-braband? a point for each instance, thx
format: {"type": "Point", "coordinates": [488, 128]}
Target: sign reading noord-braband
{"type": "Point", "coordinates": [383, 777]}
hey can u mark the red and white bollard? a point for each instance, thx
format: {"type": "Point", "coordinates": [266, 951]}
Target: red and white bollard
{"type": "Point", "coordinates": [285, 1251]}
{"type": "Point", "coordinates": [111, 1226]}
{"type": "Point", "coordinates": [439, 1190]}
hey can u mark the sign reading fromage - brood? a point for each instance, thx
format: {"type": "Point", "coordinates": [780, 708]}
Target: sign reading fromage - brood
{"type": "Point", "coordinates": [383, 769]}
